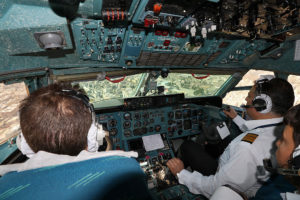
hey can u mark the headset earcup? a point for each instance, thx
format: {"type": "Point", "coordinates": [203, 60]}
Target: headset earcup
{"type": "Point", "coordinates": [296, 162]}
{"type": "Point", "coordinates": [262, 103]}
{"type": "Point", "coordinates": [259, 104]}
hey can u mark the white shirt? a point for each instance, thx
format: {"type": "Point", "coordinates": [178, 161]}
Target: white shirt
{"type": "Point", "coordinates": [45, 159]}
{"type": "Point", "coordinates": [290, 196]}
{"type": "Point", "coordinates": [238, 163]}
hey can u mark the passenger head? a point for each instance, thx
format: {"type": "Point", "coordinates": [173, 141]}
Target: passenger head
{"type": "Point", "coordinates": [277, 91]}
{"type": "Point", "coordinates": [288, 149]}
{"type": "Point", "coordinates": [52, 120]}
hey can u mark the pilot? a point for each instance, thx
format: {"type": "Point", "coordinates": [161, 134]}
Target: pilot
{"type": "Point", "coordinates": [238, 120]}
{"type": "Point", "coordinates": [288, 162]}
{"type": "Point", "coordinates": [58, 126]}
{"type": "Point", "coordinates": [237, 166]}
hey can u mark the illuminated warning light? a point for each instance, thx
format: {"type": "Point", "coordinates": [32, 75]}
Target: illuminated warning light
{"type": "Point", "coordinates": [178, 34]}
{"type": "Point", "coordinates": [167, 42]}
{"type": "Point", "coordinates": [157, 8]}
{"type": "Point", "coordinates": [183, 35]}
{"type": "Point", "coordinates": [149, 22]}
{"type": "Point", "coordinates": [165, 33]}
{"type": "Point", "coordinates": [158, 32]}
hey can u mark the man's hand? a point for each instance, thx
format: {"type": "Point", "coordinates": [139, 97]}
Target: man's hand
{"type": "Point", "coordinates": [175, 165]}
{"type": "Point", "coordinates": [230, 113]}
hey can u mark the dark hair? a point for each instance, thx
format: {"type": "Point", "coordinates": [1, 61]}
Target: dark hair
{"type": "Point", "coordinates": [281, 93]}
{"type": "Point", "coordinates": [292, 118]}
{"type": "Point", "coordinates": [55, 122]}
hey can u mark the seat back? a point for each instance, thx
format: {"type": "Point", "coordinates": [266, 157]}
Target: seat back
{"type": "Point", "coordinates": [113, 177]}
{"type": "Point", "coordinates": [273, 188]}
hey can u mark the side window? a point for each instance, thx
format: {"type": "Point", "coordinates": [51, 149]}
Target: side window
{"type": "Point", "coordinates": [236, 98]}
{"type": "Point", "coordinates": [295, 81]}
{"type": "Point", "coordinates": [10, 97]}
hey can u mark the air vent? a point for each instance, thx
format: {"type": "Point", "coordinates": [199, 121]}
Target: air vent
{"type": "Point", "coordinates": [167, 59]}
{"type": "Point", "coordinates": [50, 40]}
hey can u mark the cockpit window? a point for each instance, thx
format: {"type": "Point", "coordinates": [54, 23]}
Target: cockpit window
{"type": "Point", "coordinates": [147, 84]}
{"type": "Point", "coordinates": [105, 90]}
{"type": "Point", "coordinates": [192, 87]}
{"type": "Point", "coordinates": [11, 96]}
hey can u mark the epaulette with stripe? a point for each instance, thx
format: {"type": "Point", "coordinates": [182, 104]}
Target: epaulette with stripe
{"type": "Point", "coordinates": [250, 138]}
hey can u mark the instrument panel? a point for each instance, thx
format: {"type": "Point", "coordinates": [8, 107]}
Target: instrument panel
{"type": "Point", "coordinates": [159, 122]}
{"type": "Point", "coordinates": [171, 121]}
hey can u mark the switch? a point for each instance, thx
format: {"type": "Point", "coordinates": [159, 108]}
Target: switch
{"type": "Point", "coordinates": [109, 40]}
{"type": "Point", "coordinates": [119, 40]}
{"type": "Point", "coordinates": [167, 42]}
{"type": "Point", "coordinates": [118, 49]}
{"type": "Point", "coordinates": [165, 33]}
{"type": "Point", "coordinates": [106, 50]}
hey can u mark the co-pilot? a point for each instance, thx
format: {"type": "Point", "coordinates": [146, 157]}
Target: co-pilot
{"type": "Point", "coordinates": [267, 102]}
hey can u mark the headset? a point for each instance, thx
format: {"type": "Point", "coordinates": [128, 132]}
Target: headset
{"type": "Point", "coordinates": [95, 127]}
{"type": "Point", "coordinates": [83, 98]}
{"type": "Point", "coordinates": [295, 165]}
{"type": "Point", "coordinates": [95, 136]}
{"type": "Point", "coordinates": [262, 102]}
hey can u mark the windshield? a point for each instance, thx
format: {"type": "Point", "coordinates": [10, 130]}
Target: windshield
{"type": "Point", "coordinates": [192, 87]}
{"type": "Point", "coordinates": [146, 84]}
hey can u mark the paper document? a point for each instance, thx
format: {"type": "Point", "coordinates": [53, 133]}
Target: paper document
{"type": "Point", "coordinates": [223, 130]}
{"type": "Point", "coordinates": [153, 142]}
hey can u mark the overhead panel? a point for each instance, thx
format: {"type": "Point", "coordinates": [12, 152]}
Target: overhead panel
{"type": "Point", "coordinates": [156, 34]}
{"type": "Point", "coordinates": [97, 43]}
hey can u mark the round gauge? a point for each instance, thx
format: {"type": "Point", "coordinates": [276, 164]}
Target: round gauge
{"type": "Point", "coordinates": [157, 128]}
{"type": "Point", "coordinates": [137, 124]}
{"type": "Point", "coordinates": [113, 132]}
{"type": "Point", "coordinates": [126, 124]}
{"type": "Point", "coordinates": [112, 123]}
{"type": "Point", "coordinates": [127, 133]}
{"type": "Point", "coordinates": [127, 116]}
{"type": "Point", "coordinates": [137, 116]}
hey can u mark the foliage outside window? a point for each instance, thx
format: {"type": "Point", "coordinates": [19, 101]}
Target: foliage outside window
{"type": "Point", "coordinates": [174, 84]}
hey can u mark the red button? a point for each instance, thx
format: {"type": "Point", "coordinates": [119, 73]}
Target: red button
{"type": "Point", "coordinates": [183, 35]}
{"type": "Point", "coordinates": [167, 42]}
{"type": "Point", "coordinates": [165, 33]}
{"type": "Point", "coordinates": [177, 34]}
{"type": "Point", "coordinates": [158, 32]}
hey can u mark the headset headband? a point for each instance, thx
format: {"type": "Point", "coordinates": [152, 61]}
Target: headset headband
{"type": "Point", "coordinates": [83, 98]}
{"type": "Point", "coordinates": [259, 85]}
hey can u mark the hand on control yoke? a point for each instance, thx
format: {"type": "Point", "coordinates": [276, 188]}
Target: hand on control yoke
{"type": "Point", "coordinates": [230, 112]}
{"type": "Point", "coordinates": [175, 165]}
